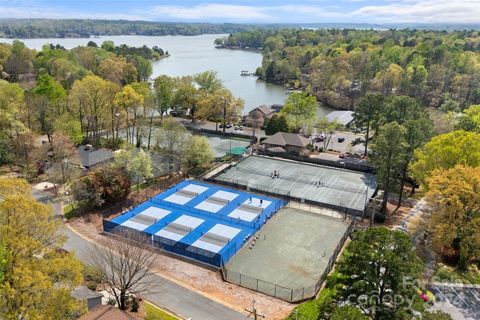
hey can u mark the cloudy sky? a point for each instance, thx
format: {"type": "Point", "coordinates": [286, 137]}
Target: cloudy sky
{"type": "Point", "coordinates": [260, 11]}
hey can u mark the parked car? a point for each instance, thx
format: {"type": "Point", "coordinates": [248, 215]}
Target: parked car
{"type": "Point", "coordinates": [341, 139]}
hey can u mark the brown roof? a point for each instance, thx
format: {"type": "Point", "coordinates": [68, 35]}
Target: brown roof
{"type": "Point", "coordinates": [287, 139]}
{"type": "Point", "coordinates": [266, 111]}
{"type": "Point", "coordinates": [106, 312]}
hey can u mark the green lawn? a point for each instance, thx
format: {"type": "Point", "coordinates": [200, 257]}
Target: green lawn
{"type": "Point", "coordinates": [309, 310]}
{"type": "Point", "coordinates": [70, 211]}
{"type": "Point", "coordinates": [154, 313]}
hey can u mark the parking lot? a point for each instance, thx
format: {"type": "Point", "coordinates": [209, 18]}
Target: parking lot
{"type": "Point", "coordinates": [460, 301]}
{"type": "Point", "coordinates": [346, 145]}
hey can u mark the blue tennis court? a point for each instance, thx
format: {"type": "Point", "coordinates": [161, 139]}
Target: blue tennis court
{"type": "Point", "coordinates": [198, 220]}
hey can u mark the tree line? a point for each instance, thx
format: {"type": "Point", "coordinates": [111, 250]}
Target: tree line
{"type": "Point", "coordinates": [64, 28]}
{"type": "Point", "coordinates": [340, 66]}
{"type": "Point", "coordinates": [97, 95]}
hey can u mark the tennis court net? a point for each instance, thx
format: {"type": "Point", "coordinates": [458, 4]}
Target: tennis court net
{"type": "Point", "coordinates": [143, 219]}
{"type": "Point", "coordinates": [187, 193]}
{"type": "Point", "coordinates": [182, 229]}
{"type": "Point", "coordinates": [312, 181]}
{"type": "Point", "coordinates": [218, 200]}
{"type": "Point", "coordinates": [217, 237]}
{"type": "Point", "coordinates": [251, 208]}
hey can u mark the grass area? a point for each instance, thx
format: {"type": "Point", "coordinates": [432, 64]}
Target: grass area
{"type": "Point", "coordinates": [446, 273]}
{"type": "Point", "coordinates": [155, 313]}
{"type": "Point", "coordinates": [310, 310]}
{"type": "Point", "coordinates": [70, 211]}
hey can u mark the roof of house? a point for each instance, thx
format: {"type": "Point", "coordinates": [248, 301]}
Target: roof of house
{"type": "Point", "coordinates": [266, 111]}
{"type": "Point", "coordinates": [342, 117]}
{"type": "Point", "coordinates": [106, 312]}
{"type": "Point", "coordinates": [82, 292]}
{"type": "Point", "coordinates": [90, 156]}
{"type": "Point", "coordinates": [276, 149]}
{"type": "Point", "coordinates": [287, 139]}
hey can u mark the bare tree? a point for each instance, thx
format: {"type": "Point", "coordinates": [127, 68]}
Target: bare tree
{"type": "Point", "coordinates": [171, 141]}
{"type": "Point", "coordinates": [123, 265]}
{"type": "Point", "coordinates": [255, 120]}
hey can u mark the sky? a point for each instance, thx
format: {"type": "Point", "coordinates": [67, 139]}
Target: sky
{"type": "Point", "coordinates": [250, 11]}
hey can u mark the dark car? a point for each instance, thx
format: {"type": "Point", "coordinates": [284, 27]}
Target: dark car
{"type": "Point", "coordinates": [341, 139]}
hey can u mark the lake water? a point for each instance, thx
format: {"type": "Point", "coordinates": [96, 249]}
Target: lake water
{"type": "Point", "coordinates": [194, 54]}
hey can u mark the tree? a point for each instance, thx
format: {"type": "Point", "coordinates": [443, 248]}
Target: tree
{"type": "Point", "coordinates": [200, 153]}
{"type": "Point", "coordinates": [387, 157]}
{"type": "Point", "coordinates": [454, 195]}
{"type": "Point", "coordinates": [417, 133]}
{"type": "Point", "coordinates": [143, 66]}
{"type": "Point", "coordinates": [172, 141]}
{"type": "Point", "coordinates": [10, 187]}
{"type": "Point", "coordinates": [138, 164]}
{"type": "Point", "coordinates": [19, 62]}
{"type": "Point", "coordinates": [24, 153]}
{"type": "Point", "coordinates": [255, 120]}
{"type": "Point", "coordinates": [220, 106]}
{"type": "Point", "coordinates": [71, 127]}
{"type": "Point", "coordinates": [123, 266]}
{"type": "Point", "coordinates": [208, 81]}
{"type": "Point", "coordinates": [348, 313]}
{"type": "Point", "coordinates": [117, 70]}
{"type": "Point", "coordinates": [446, 151]}
{"type": "Point", "coordinates": [373, 271]}
{"type": "Point", "coordinates": [368, 115]}
{"type": "Point", "coordinates": [148, 111]}
{"type": "Point", "coordinates": [418, 129]}
{"type": "Point", "coordinates": [164, 93]}
{"type": "Point", "coordinates": [3, 262]}
{"type": "Point", "coordinates": [470, 119]}
{"type": "Point", "coordinates": [131, 103]}
{"type": "Point", "coordinates": [300, 110]}
{"type": "Point", "coordinates": [205, 84]}
{"type": "Point", "coordinates": [11, 104]}
{"type": "Point", "coordinates": [38, 278]}
{"type": "Point", "coordinates": [92, 99]}
{"type": "Point", "coordinates": [277, 123]}
{"type": "Point", "coordinates": [47, 98]}
{"type": "Point", "coordinates": [64, 154]}
{"type": "Point", "coordinates": [104, 186]}
{"type": "Point", "coordinates": [328, 129]}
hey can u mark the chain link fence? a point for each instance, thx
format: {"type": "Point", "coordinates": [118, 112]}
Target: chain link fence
{"type": "Point", "coordinates": [284, 293]}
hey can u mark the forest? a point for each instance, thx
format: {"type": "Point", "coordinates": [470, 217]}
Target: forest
{"type": "Point", "coordinates": [339, 66]}
{"type": "Point", "coordinates": [74, 28]}
{"type": "Point", "coordinates": [54, 100]}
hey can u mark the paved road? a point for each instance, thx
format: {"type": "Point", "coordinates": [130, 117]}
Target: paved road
{"type": "Point", "coordinates": [169, 295]}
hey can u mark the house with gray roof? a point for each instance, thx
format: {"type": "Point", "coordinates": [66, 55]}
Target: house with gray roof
{"type": "Point", "coordinates": [91, 157]}
{"type": "Point", "coordinates": [92, 298]}
{"type": "Point", "coordinates": [344, 118]}
{"type": "Point", "coordinates": [288, 142]}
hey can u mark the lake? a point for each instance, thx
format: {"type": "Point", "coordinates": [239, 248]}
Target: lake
{"type": "Point", "coordinates": [194, 54]}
